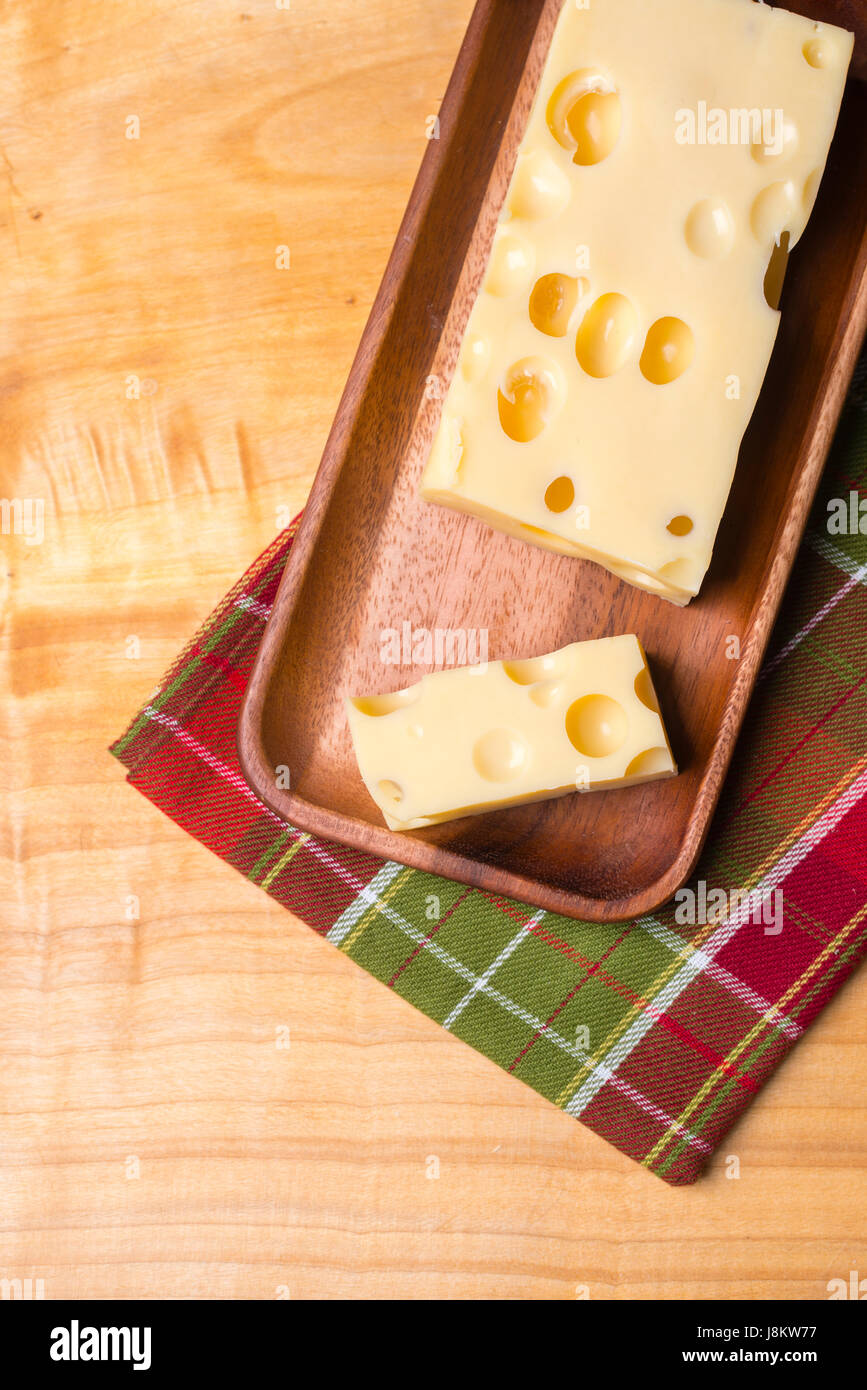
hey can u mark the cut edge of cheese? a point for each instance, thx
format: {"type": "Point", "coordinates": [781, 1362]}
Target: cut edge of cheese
{"type": "Point", "coordinates": [659, 583]}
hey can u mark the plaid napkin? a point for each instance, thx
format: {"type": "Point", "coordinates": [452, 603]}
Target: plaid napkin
{"type": "Point", "coordinates": [655, 1033]}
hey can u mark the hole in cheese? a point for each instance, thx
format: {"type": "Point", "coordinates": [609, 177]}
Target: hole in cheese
{"type": "Point", "coordinates": [377, 705]}
{"type": "Point", "coordinates": [668, 350]}
{"type": "Point", "coordinates": [390, 791]}
{"type": "Point", "coordinates": [772, 210]}
{"type": "Point", "coordinates": [606, 335]}
{"type": "Point", "coordinates": [532, 391]}
{"type": "Point", "coordinates": [540, 189]}
{"type": "Point", "coordinates": [584, 115]}
{"type": "Point", "coordinates": [552, 303]}
{"type": "Point", "coordinates": [530, 670]}
{"type": "Point", "coordinates": [766, 154]}
{"type": "Point", "coordinates": [500, 755]}
{"type": "Point", "coordinates": [681, 574]}
{"type": "Point", "coordinates": [596, 725]}
{"type": "Point", "coordinates": [710, 229]}
{"type": "Point", "coordinates": [560, 494]}
{"type": "Point", "coordinates": [818, 52]}
{"type": "Point", "coordinates": [475, 357]}
{"type": "Point", "coordinates": [545, 693]}
{"type": "Point", "coordinates": [512, 262]}
{"type": "Point", "coordinates": [644, 690]}
{"type": "Point", "coordinates": [649, 763]}
{"type": "Point", "coordinates": [680, 525]}
{"type": "Point", "coordinates": [594, 123]}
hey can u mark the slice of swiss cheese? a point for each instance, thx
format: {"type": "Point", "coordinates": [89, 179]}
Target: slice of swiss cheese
{"type": "Point", "coordinates": [479, 737]}
{"type": "Point", "coordinates": [617, 347]}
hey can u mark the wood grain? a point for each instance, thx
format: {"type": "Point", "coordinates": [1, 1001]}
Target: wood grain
{"type": "Point", "coordinates": [372, 556]}
{"type": "Point", "coordinates": [153, 1037]}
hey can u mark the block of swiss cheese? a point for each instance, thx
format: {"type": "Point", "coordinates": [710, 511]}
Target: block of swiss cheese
{"type": "Point", "coordinates": [479, 737]}
{"type": "Point", "coordinates": [619, 340]}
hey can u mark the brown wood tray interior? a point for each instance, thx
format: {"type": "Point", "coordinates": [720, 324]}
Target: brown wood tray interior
{"type": "Point", "coordinates": [371, 555]}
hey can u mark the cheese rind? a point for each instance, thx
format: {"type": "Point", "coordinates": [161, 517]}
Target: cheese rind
{"type": "Point", "coordinates": [619, 341]}
{"type": "Point", "coordinates": [480, 737]}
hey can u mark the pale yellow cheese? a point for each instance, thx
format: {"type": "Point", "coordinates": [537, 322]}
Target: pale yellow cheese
{"type": "Point", "coordinates": [616, 350]}
{"type": "Point", "coordinates": [479, 737]}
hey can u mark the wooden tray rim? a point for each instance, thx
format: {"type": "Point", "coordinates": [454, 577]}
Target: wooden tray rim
{"type": "Point", "coordinates": [405, 848]}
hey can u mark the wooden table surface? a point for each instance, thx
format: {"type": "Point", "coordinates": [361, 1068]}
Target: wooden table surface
{"type": "Point", "coordinates": [166, 387]}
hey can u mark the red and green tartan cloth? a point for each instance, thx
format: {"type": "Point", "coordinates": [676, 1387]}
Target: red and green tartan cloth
{"type": "Point", "coordinates": [654, 1034]}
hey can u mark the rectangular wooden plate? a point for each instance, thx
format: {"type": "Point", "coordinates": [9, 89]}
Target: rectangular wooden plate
{"type": "Point", "coordinates": [370, 555]}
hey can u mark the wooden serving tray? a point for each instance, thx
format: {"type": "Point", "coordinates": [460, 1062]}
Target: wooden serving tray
{"type": "Point", "coordinates": [370, 555]}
